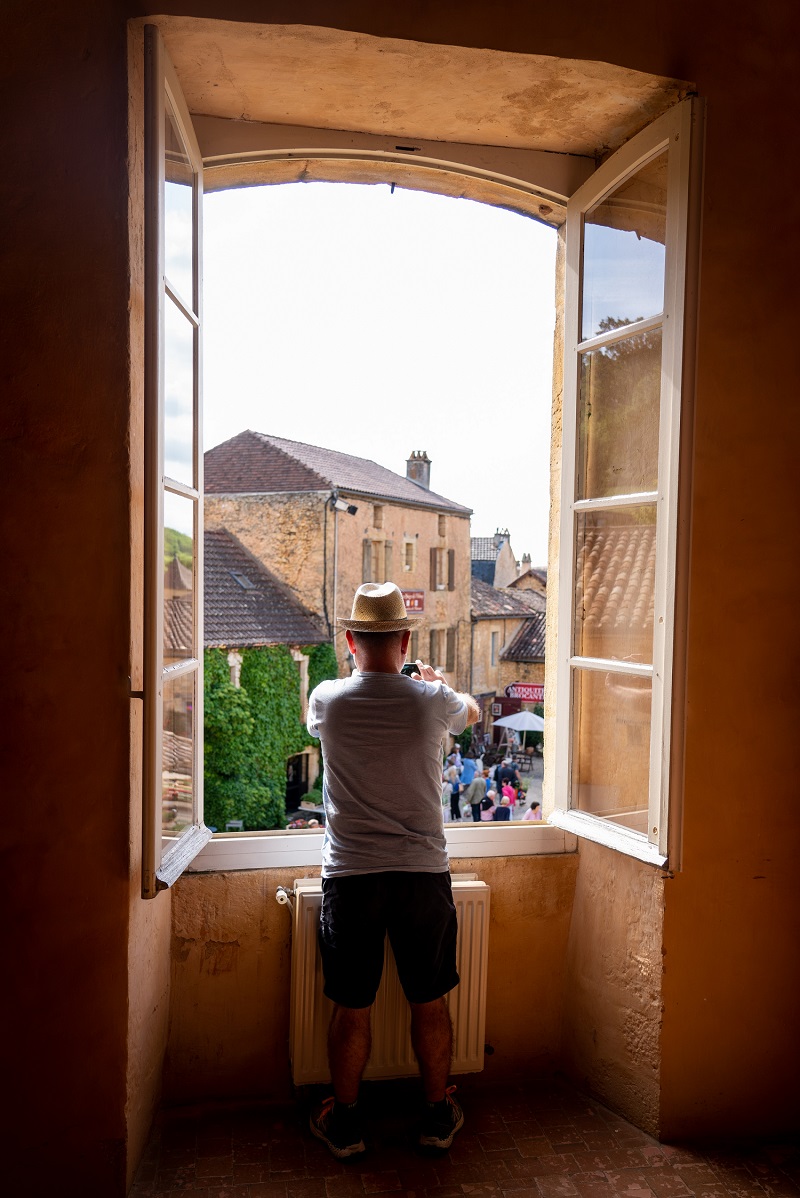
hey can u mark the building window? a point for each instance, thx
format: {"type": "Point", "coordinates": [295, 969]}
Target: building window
{"type": "Point", "coordinates": [621, 432]}
{"type": "Point", "coordinates": [442, 526]}
{"type": "Point", "coordinates": [409, 555]}
{"type": "Point", "coordinates": [388, 561]}
{"type": "Point", "coordinates": [372, 561]}
{"type": "Point", "coordinates": [495, 647]}
{"type": "Point", "coordinates": [377, 516]}
{"type": "Point", "coordinates": [438, 569]}
{"type": "Point", "coordinates": [413, 646]}
{"type": "Point", "coordinates": [436, 648]}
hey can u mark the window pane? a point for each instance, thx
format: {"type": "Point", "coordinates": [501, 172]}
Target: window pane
{"type": "Point", "coordinates": [620, 391]}
{"type": "Point", "coordinates": [615, 577]}
{"type": "Point", "coordinates": [178, 185]}
{"type": "Point", "coordinates": [177, 763]}
{"type": "Point", "coordinates": [178, 394]}
{"type": "Point", "coordinates": [178, 578]}
{"type": "Point", "coordinates": [611, 746]}
{"type": "Point", "coordinates": [623, 252]}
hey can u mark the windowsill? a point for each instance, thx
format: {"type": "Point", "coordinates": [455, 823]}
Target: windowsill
{"type": "Point", "coordinates": [274, 850]}
{"type": "Point", "coordinates": [611, 835]}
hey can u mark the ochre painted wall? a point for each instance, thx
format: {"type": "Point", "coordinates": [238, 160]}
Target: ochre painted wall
{"type": "Point", "coordinates": [612, 995]}
{"type": "Point", "coordinates": [231, 961]}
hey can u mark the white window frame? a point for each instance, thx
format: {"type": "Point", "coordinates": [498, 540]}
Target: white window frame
{"type": "Point", "coordinates": [200, 853]}
{"type": "Point", "coordinates": [165, 859]}
{"type": "Point", "coordinates": [678, 131]}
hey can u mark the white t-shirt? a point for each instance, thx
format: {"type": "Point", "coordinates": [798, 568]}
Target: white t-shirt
{"type": "Point", "coordinates": [382, 748]}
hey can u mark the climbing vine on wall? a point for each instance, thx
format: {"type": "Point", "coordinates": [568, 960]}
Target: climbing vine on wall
{"type": "Point", "coordinates": [250, 733]}
{"type": "Point", "coordinates": [322, 664]}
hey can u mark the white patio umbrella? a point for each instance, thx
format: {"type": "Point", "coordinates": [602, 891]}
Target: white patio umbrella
{"type": "Point", "coordinates": [522, 721]}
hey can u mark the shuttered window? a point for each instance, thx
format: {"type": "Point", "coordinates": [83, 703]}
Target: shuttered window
{"type": "Point", "coordinates": [434, 559]}
{"type": "Point", "coordinates": [366, 561]}
{"type": "Point", "coordinates": [388, 561]}
{"type": "Point", "coordinates": [451, 569]}
{"type": "Point", "coordinates": [450, 656]}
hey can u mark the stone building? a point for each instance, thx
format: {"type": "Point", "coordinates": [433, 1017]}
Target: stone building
{"type": "Point", "coordinates": [532, 578]}
{"type": "Point", "coordinates": [507, 645]}
{"type": "Point", "coordinates": [325, 521]}
{"type": "Point", "coordinates": [493, 559]}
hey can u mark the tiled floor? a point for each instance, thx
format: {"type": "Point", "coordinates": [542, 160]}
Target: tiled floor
{"type": "Point", "coordinates": [540, 1140]}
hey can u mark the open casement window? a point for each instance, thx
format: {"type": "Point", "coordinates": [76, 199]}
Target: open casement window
{"type": "Point", "coordinates": [173, 828]}
{"type": "Point", "coordinates": [623, 382]}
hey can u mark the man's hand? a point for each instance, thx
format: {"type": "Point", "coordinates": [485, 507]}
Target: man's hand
{"type": "Point", "coordinates": [427, 673]}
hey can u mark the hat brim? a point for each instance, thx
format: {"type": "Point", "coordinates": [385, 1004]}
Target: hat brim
{"type": "Point", "coordinates": [378, 625]}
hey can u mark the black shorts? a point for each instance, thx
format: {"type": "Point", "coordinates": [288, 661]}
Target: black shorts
{"type": "Point", "coordinates": [417, 912]}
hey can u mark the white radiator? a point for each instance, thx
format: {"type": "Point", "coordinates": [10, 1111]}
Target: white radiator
{"type": "Point", "coordinates": [392, 1054]}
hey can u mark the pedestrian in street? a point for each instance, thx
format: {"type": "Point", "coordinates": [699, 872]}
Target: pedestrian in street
{"type": "Point", "coordinates": [488, 806]}
{"type": "Point", "coordinates": [455, 791]}
{"type": "Point", "coordinates": [384, 861]}
{"type": "Point", "coordinates": [468, 768]}
{"type": "Point", "coordinates": [502, 814]}
{"type": "Point", "coordinates": [534, 811]}
{"type": "Point", "coordinates": [475, 792]}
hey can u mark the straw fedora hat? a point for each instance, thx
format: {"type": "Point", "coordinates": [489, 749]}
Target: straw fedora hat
{"type": "Point", "coordinates": [378, 607]}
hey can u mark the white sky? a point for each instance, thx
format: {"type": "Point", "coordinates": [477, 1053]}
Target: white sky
{"type": "Point", "coordinates": [377, 323]}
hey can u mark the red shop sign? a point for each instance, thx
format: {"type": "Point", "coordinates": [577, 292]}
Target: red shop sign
{"type": "Point", "coordinates": [529, 692]}
{"type": "Point", "coordinates": [414, 601]}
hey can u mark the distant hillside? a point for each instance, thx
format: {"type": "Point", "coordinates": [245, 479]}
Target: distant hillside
{"type": "Point", "coordinates": [177, 542]}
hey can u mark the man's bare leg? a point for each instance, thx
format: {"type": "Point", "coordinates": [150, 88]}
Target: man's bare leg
{"type": "Point", "coordinates": [432, 1039]}
{"type": "Point", "coordinates": [349, 1044]}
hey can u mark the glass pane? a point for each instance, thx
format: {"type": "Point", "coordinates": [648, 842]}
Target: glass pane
{"type": "Point", "coordinates": [619, 408]}
{"type": "Point", "coordinates": [623, 252]}
{"type": "Point", "coordinates": [611, 746]}
{"type": "Point", "coordinates": [178, 193]}
{"type": "Point", "coordinates": [177, 763]}
{"type": "Point", "coordinates": [615, 579]}
{"type": "Point", "coordinates": [178, 576]}
{"type": "Point", "coordinates": [178, 394]}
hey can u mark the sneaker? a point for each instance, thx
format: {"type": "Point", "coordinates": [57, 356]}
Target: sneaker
{"type": "Point", "coordinates": [338, 1126]}
{"type": "Point", "coordinates": [440, 1122]}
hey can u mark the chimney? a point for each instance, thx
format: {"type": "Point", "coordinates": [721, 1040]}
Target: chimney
{"type": "Point", "coordinates": [418, 468]}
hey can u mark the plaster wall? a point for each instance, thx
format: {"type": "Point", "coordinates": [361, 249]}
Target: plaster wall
{"type": "Point", "coordinates": [520, 671]}
{"type": "Point", "coordinates": [485, 676]}
{"type": "Point", "coordinates": [231, 962]}
{"type": "Point", "coordinates": [612, 996]}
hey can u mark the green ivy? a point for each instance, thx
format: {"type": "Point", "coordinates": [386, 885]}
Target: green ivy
{"type": "Point", "coordinates": [250, 733]}
{"type": "Point", "coordinates": [322, 664]}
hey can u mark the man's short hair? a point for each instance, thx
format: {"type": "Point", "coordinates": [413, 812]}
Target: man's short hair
{"type": "Point", "coordinates": [376, 640]}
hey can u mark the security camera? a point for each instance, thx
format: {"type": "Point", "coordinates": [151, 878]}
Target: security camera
{"type": "Point", "coordinates": [339, 505]}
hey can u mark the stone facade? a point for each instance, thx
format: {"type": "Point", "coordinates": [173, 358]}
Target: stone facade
{"type": "Point", "coordinates": [324, 554]}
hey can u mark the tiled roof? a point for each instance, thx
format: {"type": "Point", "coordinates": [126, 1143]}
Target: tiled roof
{"type": "Point", "coordinates": [178, 626]}
{"type": "Point", "coordinates": [254, 462]}
{"type": "Point", "coordinates": [616, 577]}
{"type": "Point", "coordinates": [485, 549]}
{"type": "Point", "coordinates": [265, 612]}
{"type": "Point", "coordinates": [528, 643]}
{"type": "Point", "coordinates": [490, 602]}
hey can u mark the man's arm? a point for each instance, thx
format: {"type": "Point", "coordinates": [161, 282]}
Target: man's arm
{"type": "Point", "coordinates": [428, 674]}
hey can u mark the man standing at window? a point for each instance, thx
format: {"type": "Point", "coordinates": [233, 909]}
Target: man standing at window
{"type": "Point", "coordinates": [384, 860]}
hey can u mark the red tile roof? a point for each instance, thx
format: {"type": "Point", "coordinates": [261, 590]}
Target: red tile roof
{"type": "Point", "coordinates": [253, 463]}
{"type": "Point", "coordinates": [499, 603]}
{"type": "Point", "coordinates": [528, 642]}
{"type": "Point", "coordinates": [246, 605]}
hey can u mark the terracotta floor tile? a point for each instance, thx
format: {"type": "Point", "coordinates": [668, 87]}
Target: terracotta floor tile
{"type": "Point", "coordinates": [593, 1184]}
{"type": "Point", "coordinates": [268, 1189]}
{"type": "Point", "coordinates": [534, 1146]}
{"type": "Point", "coordinates": [379, 1183]}
{"type": "Point", "coordinates": [214, 1166]}
{"type": "Point", "coordinates": [307, 1187]}
{"type": "Point", "coordinates": [482, 1189]}
{"type": "Point", "coordinates": [709, 1189]}
{"type": "Point", "coordinates": [531, 1193]}
{"type": "Point", "coordinates": [666, 1183]}
{"type": "Point", "coordinates": [557, 1186]}
{"type": "Point", "coordinates": [495, 1140]}
{"type": "Point", "coordinates": [547, 1166]}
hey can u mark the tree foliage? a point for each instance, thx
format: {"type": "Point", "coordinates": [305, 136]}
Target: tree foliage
{"type": "Point", "coordinates": [250, 733]}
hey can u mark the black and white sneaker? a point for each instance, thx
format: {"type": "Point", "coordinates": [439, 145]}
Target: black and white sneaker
{"type": "Point", "coordinates": [339, 1127]}
{"type": "Point", "coordinates": [440, 1122]}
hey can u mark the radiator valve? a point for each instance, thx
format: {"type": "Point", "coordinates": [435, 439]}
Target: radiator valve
{"type": "Point", "coordinates": [284, 897]}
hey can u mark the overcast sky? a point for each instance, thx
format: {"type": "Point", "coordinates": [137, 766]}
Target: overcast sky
{"type": "Point", "coordinates": [376, 323]}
